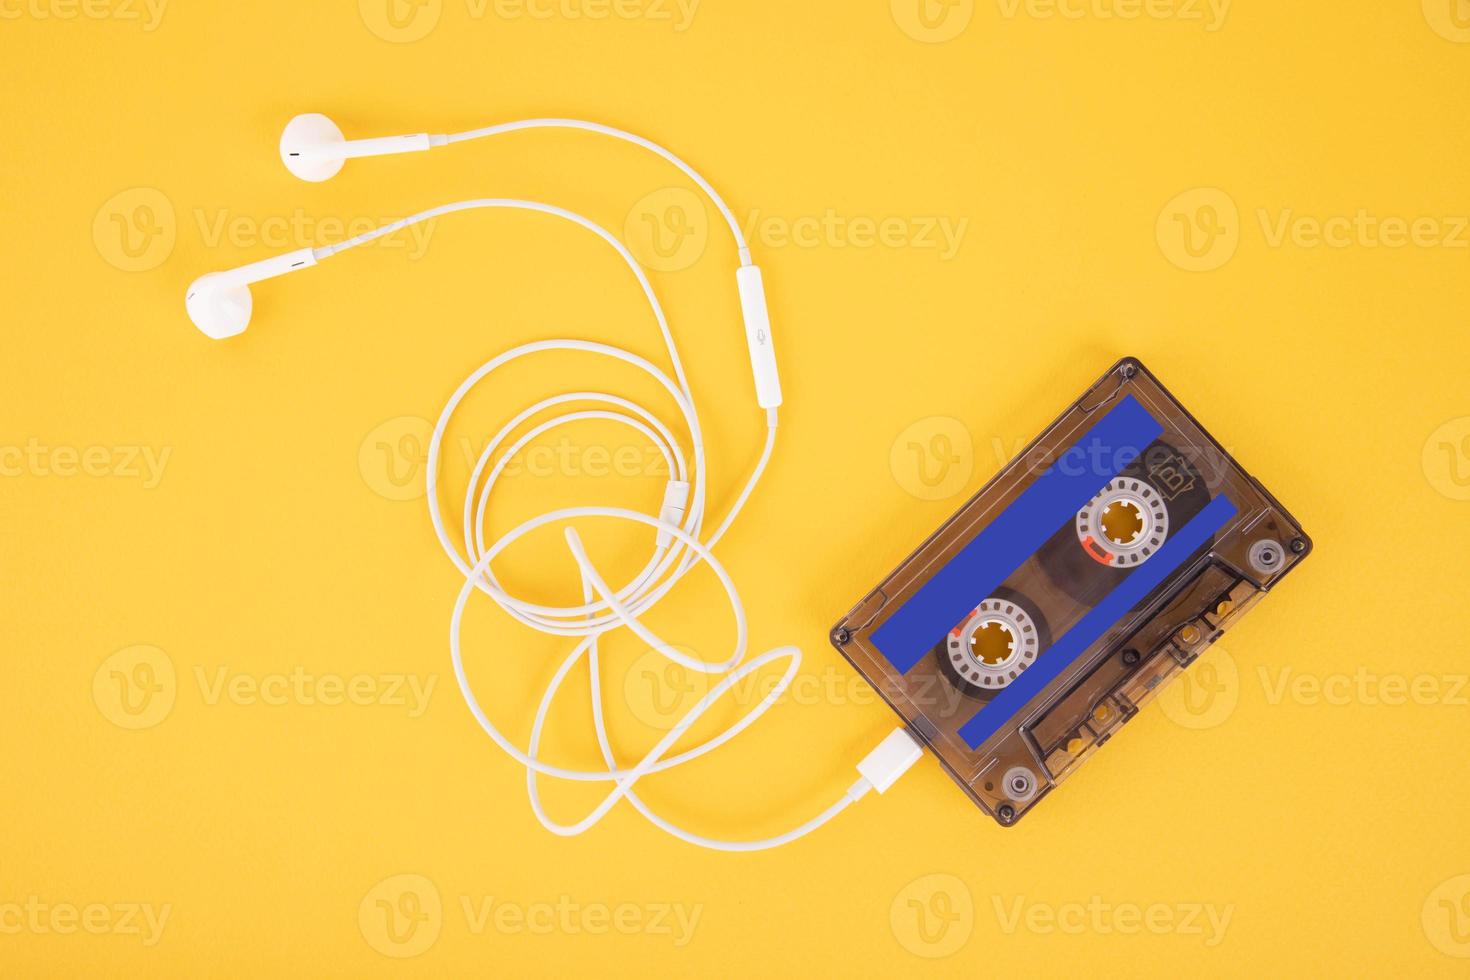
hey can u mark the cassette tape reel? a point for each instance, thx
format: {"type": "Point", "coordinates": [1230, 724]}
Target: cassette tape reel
{"type": "Point", "coordinates": [1060, 599]}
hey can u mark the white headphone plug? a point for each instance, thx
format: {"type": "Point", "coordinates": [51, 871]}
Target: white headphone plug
{"type": "Point", "coordinates": [893, 757]}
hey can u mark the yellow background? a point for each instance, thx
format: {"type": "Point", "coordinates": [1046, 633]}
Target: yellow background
{"type": "Point", "coordinates": [1076, 150]}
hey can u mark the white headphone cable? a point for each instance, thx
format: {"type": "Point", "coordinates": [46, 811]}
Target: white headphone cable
{"type": "Point", "coordinates": [680, 543]}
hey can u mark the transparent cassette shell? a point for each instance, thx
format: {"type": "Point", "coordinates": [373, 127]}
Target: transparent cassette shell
{"type": "Point", "coordinates": [1034, 741]}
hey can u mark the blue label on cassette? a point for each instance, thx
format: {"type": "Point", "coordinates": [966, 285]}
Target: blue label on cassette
{"type": "Point", "coordinates": [1051, 502]}
{"type": "Point", "coordinates": [1102, 617]}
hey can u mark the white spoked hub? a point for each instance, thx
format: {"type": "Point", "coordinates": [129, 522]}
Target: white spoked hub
{"type": "Point", "coordinates": [991, 647]}
{"type": "Point", "coordinates": [1141, 507]}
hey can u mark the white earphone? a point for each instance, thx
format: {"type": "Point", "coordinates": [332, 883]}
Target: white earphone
{"type": "Point", "coordinates": [220, 304]}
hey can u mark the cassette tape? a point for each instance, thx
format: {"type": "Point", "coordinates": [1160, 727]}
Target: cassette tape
{"type": "Point", "coordinates": [1061, 598]}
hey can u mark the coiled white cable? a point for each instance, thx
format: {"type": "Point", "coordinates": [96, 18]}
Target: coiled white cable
{"type": "Point", "coordinates": [680, 540]}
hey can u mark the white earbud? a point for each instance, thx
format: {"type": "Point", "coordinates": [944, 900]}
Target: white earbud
{"type": "Point", "coordinates": [313, 148]}
{"type": "Point", "coordinates": [219, 303]}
